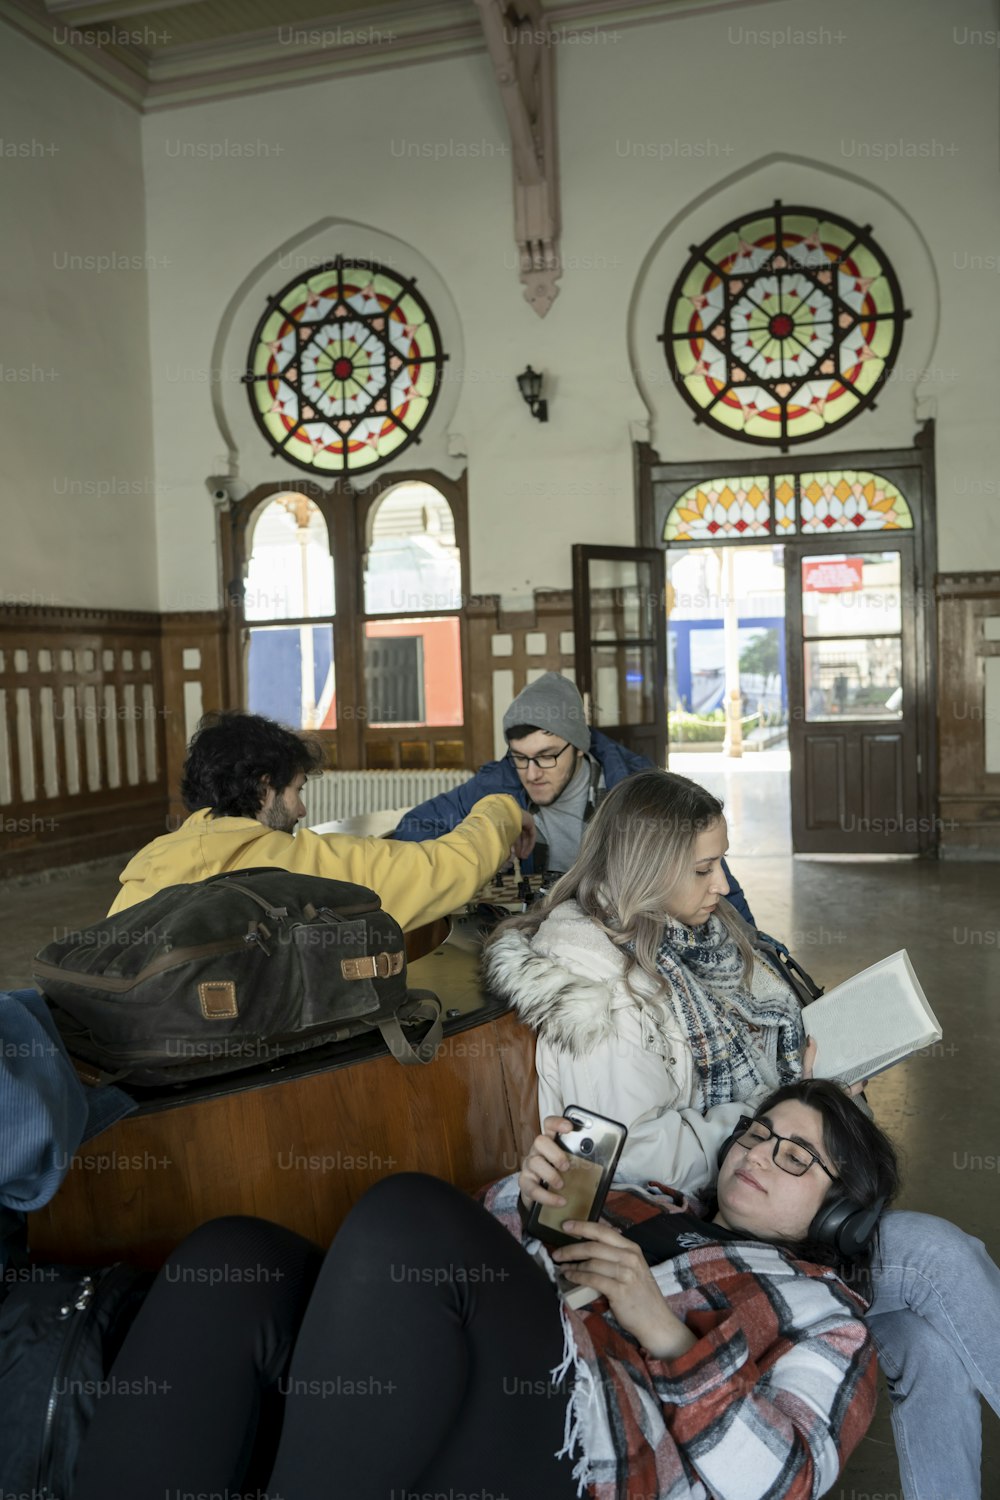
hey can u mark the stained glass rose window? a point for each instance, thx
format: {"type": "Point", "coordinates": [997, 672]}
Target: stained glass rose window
{"type": "Point", "coordinates": [344, 367]}
{"type": "Point", "coordinates": [783, 325]}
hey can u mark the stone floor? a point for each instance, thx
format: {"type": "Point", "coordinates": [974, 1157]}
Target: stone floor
{"type": "Point", "coordinates": [942, 1108]}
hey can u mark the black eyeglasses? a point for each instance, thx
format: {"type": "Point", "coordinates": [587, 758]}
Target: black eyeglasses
{"type": "Point", "coordinates": [791, 1156]}
{"type": "Point", "coordinates": [543, 762]}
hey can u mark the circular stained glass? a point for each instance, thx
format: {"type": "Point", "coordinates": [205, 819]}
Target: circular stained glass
{"type": "Point", "coordinates": [344, 367]}
{"type": "Point", "coordinates": [783, 325]}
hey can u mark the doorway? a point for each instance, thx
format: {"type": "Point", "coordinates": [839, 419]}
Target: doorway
{"type": "Point", "coordinates": [727, 685]}
{"type": "Point", "coordinates": [855, 545]}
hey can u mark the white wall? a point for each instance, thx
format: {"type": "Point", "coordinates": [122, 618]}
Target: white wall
{"type": "Point", "coordinates": [77, 487]}
{"type": "Point", "coordinates": [667, 130]}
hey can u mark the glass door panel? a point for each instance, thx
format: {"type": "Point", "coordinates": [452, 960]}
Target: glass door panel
{"type": "Point", "coordinates": [619, 615]}
{"type": "Point", "coordinates": [852, 641]}
{"type": "Point", "coordinates": [625, 683]}
{"type": "Point", "coordinates": [854, 679]}
{"type": "Point", "coordinates": [621, 599]}
{"type": "Point", "coordinates": [851, 594]}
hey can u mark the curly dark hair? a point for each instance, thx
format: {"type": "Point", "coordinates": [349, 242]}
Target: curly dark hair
{"type": "Point", "coordinates": [233, 759]}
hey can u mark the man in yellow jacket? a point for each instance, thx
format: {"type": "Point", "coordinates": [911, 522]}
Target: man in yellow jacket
{"type": "Point", "coordinates": [242, 784]}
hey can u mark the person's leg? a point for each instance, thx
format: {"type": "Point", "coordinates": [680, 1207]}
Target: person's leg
{"type": "Point", "coordinates": [934, 1449]}
{"type": "Point", "coordinates": [424, 1359]}
{"type": "Point", "coordinates": [196, 1369]}
{"type": "Point", "coordinates": [946, 1277]}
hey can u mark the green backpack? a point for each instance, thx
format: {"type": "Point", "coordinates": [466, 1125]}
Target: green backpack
{"type": "Point", "coordinates": [232, 972]}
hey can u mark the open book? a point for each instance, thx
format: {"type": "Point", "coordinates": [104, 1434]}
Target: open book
{"type": "Point", "coordinates": [870, 1021]}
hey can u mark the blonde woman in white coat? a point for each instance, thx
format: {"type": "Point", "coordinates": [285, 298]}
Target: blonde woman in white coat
{"type": "Point", "coordinates": [635, 950]}
{"type": "Point", "coordinates": [651, 1006]}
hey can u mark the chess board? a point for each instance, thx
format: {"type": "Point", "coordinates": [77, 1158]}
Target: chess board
{"type": "Point", "coordinates": [510, 889]}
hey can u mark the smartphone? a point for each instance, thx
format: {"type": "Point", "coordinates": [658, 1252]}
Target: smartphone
{"type": "Point", "coordinates": [594, 1146]}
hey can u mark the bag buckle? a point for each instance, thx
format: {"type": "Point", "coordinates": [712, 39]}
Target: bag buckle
{"type": "Point", "coordinates": [373, 966]}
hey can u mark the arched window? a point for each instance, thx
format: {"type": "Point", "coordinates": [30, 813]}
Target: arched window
{"type": "Point", "coordinates": [290, 669]}
{"type": "Point", "coordinates": [783, 325]}
{"type": "Point", "coordinates": [412, 600]}
{"type": "Point", "coordinates": [351, 618]}
{"type": "Point", "coordinates": [782, 505]}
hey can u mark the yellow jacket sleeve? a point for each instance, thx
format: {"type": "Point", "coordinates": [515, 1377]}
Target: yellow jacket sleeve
{"type": "Point", "coordinates": [417, 882]}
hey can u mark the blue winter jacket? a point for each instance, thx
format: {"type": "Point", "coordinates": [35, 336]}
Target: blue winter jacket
{"type": "Point", "coordinates": [429, 820]}
{"type": "Point", "coordinates": [45, 1112]}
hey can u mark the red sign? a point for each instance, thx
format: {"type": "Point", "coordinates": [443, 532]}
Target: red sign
{"type": "Point", "coordinates": [835, 575]}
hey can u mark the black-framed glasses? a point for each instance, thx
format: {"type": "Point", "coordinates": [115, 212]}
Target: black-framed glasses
{"type": "Point", "coordinates": [791, 1156]}
{"type": "Point", "coordinates": [543, 762]}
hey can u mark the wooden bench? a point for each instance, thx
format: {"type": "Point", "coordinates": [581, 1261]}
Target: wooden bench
{"type": "Point", "coordinates": [302, 1148]}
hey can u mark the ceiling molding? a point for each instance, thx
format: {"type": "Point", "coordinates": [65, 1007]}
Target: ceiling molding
{"type": "Point", "coordinates": [125, 46]}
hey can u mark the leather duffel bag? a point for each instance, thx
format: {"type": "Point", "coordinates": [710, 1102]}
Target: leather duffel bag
{"type": "Point", "coordinates": [230, 972]}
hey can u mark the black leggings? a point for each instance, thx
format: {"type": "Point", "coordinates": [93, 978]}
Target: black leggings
{"type": "Point", "coordinates": [421, 1364]}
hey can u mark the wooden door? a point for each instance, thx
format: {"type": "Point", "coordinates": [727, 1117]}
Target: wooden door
{"type": "Point", "coordinates": [853, 696]}
{"type": "Point", "coordinates": [619, 619]}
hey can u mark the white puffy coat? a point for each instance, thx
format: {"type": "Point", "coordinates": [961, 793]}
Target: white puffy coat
{"type": "Point", "coordinates": [619, 1050]}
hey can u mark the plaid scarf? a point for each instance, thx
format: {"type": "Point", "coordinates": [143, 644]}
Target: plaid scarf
{"type": "Point", "coordinates": [727, 1018]}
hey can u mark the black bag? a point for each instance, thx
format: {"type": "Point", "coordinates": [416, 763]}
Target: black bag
{"type": "Point", "coordinates": [231, 972]}
{"type": "Point", "coordinates": [60, 1329]}
{"type": "Point", "coordinates": [802, 984]}
{"type": "Point", "coordinates": [805, 987]}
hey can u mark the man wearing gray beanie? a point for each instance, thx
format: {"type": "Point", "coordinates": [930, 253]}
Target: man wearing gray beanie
{"type": "Point", "coordinates": [556, 766]}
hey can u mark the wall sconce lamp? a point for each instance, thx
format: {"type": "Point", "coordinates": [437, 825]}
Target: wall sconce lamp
{"type": "Point", "coordinates": [529, 383]}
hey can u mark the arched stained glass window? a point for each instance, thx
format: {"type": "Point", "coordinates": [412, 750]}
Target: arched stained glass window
{"type": "Point", "coordinates": [851, 500]}
{"type": "Point", "coordinates": [344, 368]}
{"type": "Point", "coordinates": [783, 325]}
{"type": "Point", "coordinates": [782, 505]}
{"type": "Point", "coordinates": [721, 508]}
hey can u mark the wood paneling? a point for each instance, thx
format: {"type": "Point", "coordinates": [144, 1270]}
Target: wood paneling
{"type": "Point", "coordinates": [82, 766]}
{"type": "Point", "coordinates": [517, 642]}
{"type": "Point", "coordinates": [969, 795]}
{"type": "Point", "coordinates": [194, 649]}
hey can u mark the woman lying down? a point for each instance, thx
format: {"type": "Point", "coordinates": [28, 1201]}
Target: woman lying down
{"type": "Point", "coordinates": [434, 1356]}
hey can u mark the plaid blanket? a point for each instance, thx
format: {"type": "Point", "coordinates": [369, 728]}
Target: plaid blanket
{"type": "Point", "coordinates": [767, 1405]}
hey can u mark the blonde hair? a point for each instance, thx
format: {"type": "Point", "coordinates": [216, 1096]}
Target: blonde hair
{"type": "Point", "coordinates": [635, 851]}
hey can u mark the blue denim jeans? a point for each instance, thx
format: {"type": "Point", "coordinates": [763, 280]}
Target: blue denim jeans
{"type": "Point", "coordinates": [935, 1319]}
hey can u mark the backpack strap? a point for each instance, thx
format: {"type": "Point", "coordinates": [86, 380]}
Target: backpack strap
{"type": "Point", "coordinates": [399, 1045]}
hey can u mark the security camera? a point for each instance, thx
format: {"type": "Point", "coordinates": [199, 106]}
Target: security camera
{"type": "Point", "coordinates": [225, 488]}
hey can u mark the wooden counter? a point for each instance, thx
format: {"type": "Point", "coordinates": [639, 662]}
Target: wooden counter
{"type": "Point", "coordinates": [302, 1150]}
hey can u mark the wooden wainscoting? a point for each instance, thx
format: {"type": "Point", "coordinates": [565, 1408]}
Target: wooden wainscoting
{"type": "Point", "coordinates": [195, 680]}
{"type": "Point", "coordinates": [505, 650]}
{"type": "Point", "coordinates": [97, 708]}
{"type": "Point", "coordinates": [82, 771]}
{"type": "Point", "coordinates": [968, 607]}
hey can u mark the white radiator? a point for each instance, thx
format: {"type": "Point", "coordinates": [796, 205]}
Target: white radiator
{"type": "Point", "coordinates": [345, 794]}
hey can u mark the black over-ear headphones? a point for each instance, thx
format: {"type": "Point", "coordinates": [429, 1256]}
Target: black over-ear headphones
{"type": "Point", "coordinates": [841, 1222]}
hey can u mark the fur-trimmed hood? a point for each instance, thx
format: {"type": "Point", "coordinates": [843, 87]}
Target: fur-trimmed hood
{"type": "Point", "coordinates": [566, 981]}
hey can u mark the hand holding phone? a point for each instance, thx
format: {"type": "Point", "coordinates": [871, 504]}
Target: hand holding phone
{"type": "Point", "coordinates": [568, 1171]}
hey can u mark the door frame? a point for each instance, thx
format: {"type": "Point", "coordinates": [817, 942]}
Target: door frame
{"type": "Point", "coordinates": [913, 469]}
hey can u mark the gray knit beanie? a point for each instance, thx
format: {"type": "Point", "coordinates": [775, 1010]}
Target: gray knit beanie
{"type": "Point", "coordinates": [551, 703]}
